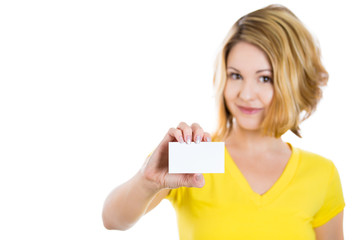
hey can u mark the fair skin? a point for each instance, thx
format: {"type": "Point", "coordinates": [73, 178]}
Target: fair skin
{"type": "Point", "coordinates": [127, 203]}
{"type": "Point", "coordinates": [260, 159]}
{"type": "Point", "coordinates": [248, 94]}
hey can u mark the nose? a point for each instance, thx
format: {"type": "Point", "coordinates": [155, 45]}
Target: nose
{"type": "Point", "coordinates": [247, 91]}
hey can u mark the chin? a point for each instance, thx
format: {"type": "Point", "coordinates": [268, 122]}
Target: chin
{"type": "Point", "coordinates": [251, 125]}
{"type": "Point", "coordinates": [250, 128]}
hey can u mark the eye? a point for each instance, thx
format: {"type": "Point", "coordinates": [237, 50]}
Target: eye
{"type": "Point", "coordinates": [235, 76]}
{"type": "Point", "coordinates": [266, 79]}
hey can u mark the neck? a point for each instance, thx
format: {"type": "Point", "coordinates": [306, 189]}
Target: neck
{"type": "Point", "coordinates": [252, 140]}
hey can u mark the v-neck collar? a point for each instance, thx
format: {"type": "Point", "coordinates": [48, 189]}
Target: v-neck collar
{"type": "Point", "coordinates": [275, 189]}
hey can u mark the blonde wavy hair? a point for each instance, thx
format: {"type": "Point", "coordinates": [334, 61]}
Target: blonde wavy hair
{"type": "Point", "coordinates": [298, 73]}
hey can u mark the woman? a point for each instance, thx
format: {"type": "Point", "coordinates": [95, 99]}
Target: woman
{"type": "Point", "coordinates": [267, 79]}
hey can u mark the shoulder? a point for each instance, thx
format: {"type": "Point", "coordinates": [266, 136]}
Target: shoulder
{"type": "Point", "coordinates": [313, 164]}
{"type": "Point", "coordinates": [313, 159]}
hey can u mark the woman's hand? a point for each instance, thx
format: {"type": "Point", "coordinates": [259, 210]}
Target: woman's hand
{"type": "Point", "coordinates": [155, 169]}
{"type": "Point", "coordinates": [127, 203]}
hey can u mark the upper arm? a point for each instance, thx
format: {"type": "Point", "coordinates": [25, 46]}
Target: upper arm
{"type": "Point", "coordinates": [332, 230]}
{"type": "Point", "coordinates": [157, 199]}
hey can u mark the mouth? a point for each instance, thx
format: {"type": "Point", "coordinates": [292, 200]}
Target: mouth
{"type": "Point", "coordinates": [248, 110]}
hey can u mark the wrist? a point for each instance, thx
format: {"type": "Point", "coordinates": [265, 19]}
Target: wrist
{"type": "Point", "coordinates": [149, 186]}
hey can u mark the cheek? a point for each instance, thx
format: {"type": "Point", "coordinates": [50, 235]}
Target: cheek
{"type": "Point", "coordinates": [267, 95]}
{"type": "Point", "coordinates": [227, 96]}
{"type": "Point", "coordinates": [229, 92]}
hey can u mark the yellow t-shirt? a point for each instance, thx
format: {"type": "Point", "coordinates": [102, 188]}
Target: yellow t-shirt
{"type": "Point", "coordinates": [307, 195]}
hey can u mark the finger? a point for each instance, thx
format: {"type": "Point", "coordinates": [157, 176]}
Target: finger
{"type": "Point", "coordinates": [187, 131]}
{"type": "Point", "coordinates": [199, 180]}
{"type": "Point", "coordinates": [175, 134]}
{"type": "Point", "coordinates": [198, 132]}
{"type": "Point", "coordinates": [171, 136]}
{"type": "Point", "coordinates": [185, 180]}
{"type": "Point", "coordinates": [194, 180]}
{"type": "Point", "coordinates": [207, 137]}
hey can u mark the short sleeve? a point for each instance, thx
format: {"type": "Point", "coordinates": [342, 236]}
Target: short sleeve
{"type": "Point", "coordinates": [171, 195]}
{"type": "Point", "coordinates": [176, 196]}
{"type": "Point", "coordinates": [333, 202]}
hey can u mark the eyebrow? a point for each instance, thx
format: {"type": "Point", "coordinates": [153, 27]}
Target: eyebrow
{"type": "Point", "coordinates": [258, 71]}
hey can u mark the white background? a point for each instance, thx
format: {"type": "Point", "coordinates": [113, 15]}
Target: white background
{"type": "Point", "coordinates": [89, 88]}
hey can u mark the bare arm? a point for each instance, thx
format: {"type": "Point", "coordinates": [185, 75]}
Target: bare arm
{"type": "Point", "coordinates": [332, 230]}
{"type": "Point", "coordinates": [157, 199]}
{"type": "Point", "coordinates": [127, 203]}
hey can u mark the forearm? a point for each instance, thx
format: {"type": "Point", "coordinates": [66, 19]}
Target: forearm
{"type": "Point", "coordinates": [127, 203]}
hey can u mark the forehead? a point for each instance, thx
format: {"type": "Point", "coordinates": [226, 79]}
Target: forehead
{"type": "Point", "coordinates": [246, 56]}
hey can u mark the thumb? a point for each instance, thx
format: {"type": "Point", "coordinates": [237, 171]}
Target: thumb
{"type": "Point", "coordinates": [184, 180]}
{"type": "Point", "coordinates": [194, 180]}
{"type": "Point", "coordinates": [200, 181]}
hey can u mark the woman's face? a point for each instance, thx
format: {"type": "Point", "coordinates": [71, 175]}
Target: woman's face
{"type": "Point", "coordinates": [249, 86]}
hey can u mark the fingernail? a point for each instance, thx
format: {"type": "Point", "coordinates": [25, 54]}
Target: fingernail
{"type": "Point", "coordinates": [198, 177]}
{"type": "Point", "coordinates": [188, 139]}
{"type": "Point", "coordinates": [181, 140]}
{"type": "Point", "coordinates": [208, 139]}
{"type": "Point", "coordinates": [197, 139]}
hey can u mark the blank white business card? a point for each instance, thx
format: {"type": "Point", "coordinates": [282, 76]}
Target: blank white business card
{"type": "Point", "coordinates": [204, 157]}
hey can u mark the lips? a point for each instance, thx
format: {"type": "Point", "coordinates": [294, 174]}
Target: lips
{"type": "Point", "coordinates": [248, 110]}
